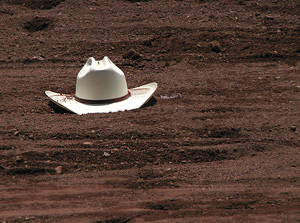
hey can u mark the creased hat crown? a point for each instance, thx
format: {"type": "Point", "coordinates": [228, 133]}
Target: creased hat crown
{"type": "Point", "coordinates": [100, 80]}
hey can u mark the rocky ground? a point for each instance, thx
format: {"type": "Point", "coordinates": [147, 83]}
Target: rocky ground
{"type": "Point", "coordinates": [223, 148]}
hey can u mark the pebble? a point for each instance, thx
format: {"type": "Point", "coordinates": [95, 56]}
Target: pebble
{"type": "Point", "coordinates": [269, 17]}
{"type": "Point", "coordinates": [201, 56]}
{"type": "Point", "coordinates": [59, 170]}
{"type": "Point", "coordinates": [165, 145]}
{"type": "Point", "coordinates": [19, 159]}
{"type": "Point", "coordinates": [215, 46]}
{"type": "Point", "coordinates": [88, 144]}
{"type": "Point", "coordinates": [106, 154]}
{"type": "Point", "coordinates": [114, 150]}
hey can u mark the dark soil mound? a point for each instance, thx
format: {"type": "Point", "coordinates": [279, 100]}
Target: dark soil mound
{"type": "Point", "coordinates": [38, 24]}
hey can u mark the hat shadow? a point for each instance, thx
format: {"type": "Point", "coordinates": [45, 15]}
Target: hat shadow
{"type": "Point", "coordinates": [58, 109]}
{"type": "Point", "coordinates": [150, 103]}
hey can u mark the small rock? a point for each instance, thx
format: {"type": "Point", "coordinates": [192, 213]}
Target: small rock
{"type": "Point", "coordinates": [201, 56]}
{"type": "Point", "coordinates": [31, 136]}
{"type": "Point", "coordinates": [106, 154]}
{"type": "Point", "coordinates": [293, 128]}
{"type": "Point", "coordinates": [183, 161]}
{"type": "Point", "coordinates": [37, 58]}
{"type": "Point", "coordinates": [131, 54]}
{"type": "Point", "coordinates": [165, 145]}
{"type": "Point", "coordinates": [269, 17]}
{"type": "Point", "coordinates": [59, 170]}
{"type": "Point", "coordinates": [17, 133]}
{"type": "Point", "coordinates": [19, 159]}
{"type": "Point", "coordinates": [88, 144]}
{"type": "Point", "coordinates": [215, 46]}
{"type": "Point", "coordinates": [114, 150]}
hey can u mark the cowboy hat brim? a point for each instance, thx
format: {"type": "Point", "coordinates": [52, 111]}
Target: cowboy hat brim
{"type": "Point", "coordinates": [138, 97]}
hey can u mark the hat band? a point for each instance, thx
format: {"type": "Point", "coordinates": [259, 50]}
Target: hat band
{"type": "Point", "coordinates": [107, 101]}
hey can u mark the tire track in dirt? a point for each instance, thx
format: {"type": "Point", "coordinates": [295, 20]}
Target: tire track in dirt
{"type": "Point", "coordinates": [39, 200]}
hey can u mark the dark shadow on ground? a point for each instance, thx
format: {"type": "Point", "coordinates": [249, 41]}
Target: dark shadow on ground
{"type": "Point", "coordinates": [58, 109]}
{"type": "Point", "coordinates": [151, 102]}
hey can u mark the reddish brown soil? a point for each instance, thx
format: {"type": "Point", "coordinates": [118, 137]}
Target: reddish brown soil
{"type": "Point", "coordinates": [226, 151]}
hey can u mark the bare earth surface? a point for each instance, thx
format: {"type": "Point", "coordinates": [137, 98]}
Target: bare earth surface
{"type": "Point", "coordinates": [225, 150]}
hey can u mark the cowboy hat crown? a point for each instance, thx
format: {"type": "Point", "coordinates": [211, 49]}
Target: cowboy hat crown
{"type": "Point", "coordinates": [101, 81]}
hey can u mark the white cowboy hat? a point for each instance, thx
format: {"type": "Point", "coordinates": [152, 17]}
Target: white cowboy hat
{"type": "Point", "coordinates": [101, 87]}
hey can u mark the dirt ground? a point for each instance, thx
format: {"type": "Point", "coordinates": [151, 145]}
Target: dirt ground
{"type": "Point", "coordinates": [225, 150]}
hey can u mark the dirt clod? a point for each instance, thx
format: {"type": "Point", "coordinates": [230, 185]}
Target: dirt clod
{"type": "Point", "coordinates": [59, 170]}
{"type": "Point", "coordinates": [215, 46]}
{"type": "Point", "coordinates": [131, 54]}
{"type": "Point", "coordinates": [106, 154]}
{"type": "Point", "coordinates": [19, 159]}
